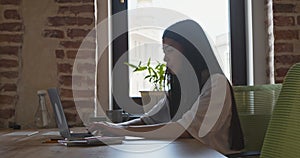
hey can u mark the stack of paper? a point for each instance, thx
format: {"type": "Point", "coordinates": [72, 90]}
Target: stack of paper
{"type": "Point", "coordinates": [92, 141]}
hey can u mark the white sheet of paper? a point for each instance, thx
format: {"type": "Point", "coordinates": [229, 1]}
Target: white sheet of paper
{"type": "Point", "coordinates": [52, 133]}
{"type": "Point", "coordinates": [133, 138]}
{"type": "Point", "coordinates": [23, 133]}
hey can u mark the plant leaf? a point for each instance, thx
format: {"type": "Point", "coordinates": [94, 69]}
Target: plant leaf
{"type": "Point", "coordinates": [147, 76]}
{"type": "Point", "coordinates": [155, 73]}
{"type": "Point", "coordinates": [142, 68]}
{"type": "Point", "coordinates": [131, 65]}
{"type": "Point", "coordinates": [149, 61]}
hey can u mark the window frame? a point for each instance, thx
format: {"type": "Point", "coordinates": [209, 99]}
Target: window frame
{"type": "Point", "coordinates": [237, 42]}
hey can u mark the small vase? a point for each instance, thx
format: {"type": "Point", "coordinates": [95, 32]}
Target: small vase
{"type": "Point", "coordinates": [42, 117]}
{"type": "Point", "coordinates": [150, 98]}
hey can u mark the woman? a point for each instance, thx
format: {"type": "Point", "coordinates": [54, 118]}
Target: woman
{"type": "Point", "coordinates": [200, 102]}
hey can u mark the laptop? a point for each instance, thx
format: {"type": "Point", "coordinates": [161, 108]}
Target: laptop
{"type": "Point", "coordinates": [61, 118]}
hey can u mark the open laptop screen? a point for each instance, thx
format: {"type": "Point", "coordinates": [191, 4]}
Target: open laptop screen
{"type": "Point", "coordinates": [59, 113]}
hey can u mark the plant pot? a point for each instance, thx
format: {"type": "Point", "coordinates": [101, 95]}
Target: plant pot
{"type": "Point", "coordinates": [151, 98]}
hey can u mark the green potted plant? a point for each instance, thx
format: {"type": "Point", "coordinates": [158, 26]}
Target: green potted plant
{"type": "Point", "coordinates": [156, 76]}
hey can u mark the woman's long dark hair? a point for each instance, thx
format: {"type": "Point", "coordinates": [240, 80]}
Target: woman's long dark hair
{"type": "Point", "coordinates": [198, 52]}
{"type": "Point", "coordinates": [190, 52]}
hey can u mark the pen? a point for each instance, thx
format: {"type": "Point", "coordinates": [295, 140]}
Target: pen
{"type": "Point", "coordinates": [51, 141]}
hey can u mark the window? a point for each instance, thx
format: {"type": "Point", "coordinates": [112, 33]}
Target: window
{"type": "Point", "coordinates": [145, 42]}
{"type": "Point", "coordinates": [229, 38]}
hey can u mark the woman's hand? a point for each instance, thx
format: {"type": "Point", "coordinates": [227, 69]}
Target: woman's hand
{"type": "Point", "coordinates": [107, 129]}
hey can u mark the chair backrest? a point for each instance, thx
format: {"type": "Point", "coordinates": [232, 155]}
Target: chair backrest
{"type": "Point", "coordinates": [257, 99]}
{"type": "Point", "coordinates": [255, 105]}
{"type": "Point", "coordinates": [283, 134]}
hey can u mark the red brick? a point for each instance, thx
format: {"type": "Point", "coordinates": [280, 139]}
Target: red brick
{"type": "Point", "coordinates": [7, 99]}
{"type": "Point", "coordinates": [281, 72]}
{"type": "Point", "coordinates": [13, 2]}
{"type": "Point", "coordinates": [74, 1]}
{"type": "Point", "coordinates": [85, 21]}
{"type": "Point", "coordinates": [68, 104]}
{"type": "Point", "coordinates": [85, 1]}
{"type": "Point", "coordinates": [71, 117]}
{"type": "Point", "coordinates": [283, 47]}
{"type": "Point", "coordinates": [14, 26]}
{"type": "Point", "coordinates": [68, 80]}
{"type": "Point", "coordinates": [66, 93]}
{"type": "Point", "coordinates": [298, 20]}
{"type": "Point", "coordinates": [65, 80]}
{"type": "Point", "coordinates": [9, 74]}
{"type": "Point", "coordinates": [63, 9]}
{"type": "Point", "coordinates": [279, 80]}
{"type": "Point", "coordinates": [9, 50]}
{"type": "Point", "coordinates": [60, 54]}
{"type": "Point", "coordinates": [7, 63]}
{"type": "Point", "coordinates": [69, 21]}
{"type": "Point", "coordinates": [65, 68]}
{"type": "Point", "coordinates": [12, 14]}
{"type": "Point", "coordinates": [62, 21]}
{"type": "Point", "coordinates": [286, 34]}
{"type": "Point", "coordinates": [284, 8]}
{"type": "Point", "coordinates": [284, 21]}
{"type": "Point", "coordinates": [8, 87]}
{"type": "Point", "coordinates": [76, 9]}
{"type": "Point", "coordinates": [71, 54]}
{"type": "Point", "coordinates": [7, 113]}
{"type": "Point", "coordinates": [72, 33]}
{"type": "Point", "coordinates": [82, 9]}
{"type": "Point", "coordinates": [53, 33]}
{"type": "Point", "coordinates": [287, 59]}
{"type": "Point", "coordinates": [11, 38]}
{"type": "Point", "coordinates": [70, 44]}
{"type": "Point", "coordinates": [67, 1]}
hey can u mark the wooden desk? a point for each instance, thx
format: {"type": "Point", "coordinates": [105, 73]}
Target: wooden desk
{"type": "Point", "coordinates": [32, 146]}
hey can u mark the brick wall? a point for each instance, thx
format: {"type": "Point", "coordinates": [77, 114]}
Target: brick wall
{"type": "Point", "coordinates": [68, 26]}
{"type": "Point", "coordinates": [11, 37]}
{"type": "Point", "coordinates": [286, 32]}
{"type": "Point", "coordinates": [72, 21]}
{"type": "Point", "coordinates": [71, 24]}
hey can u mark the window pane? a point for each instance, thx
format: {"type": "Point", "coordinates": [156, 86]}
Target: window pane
{"type": "Point", "coordinates": [145, 43]}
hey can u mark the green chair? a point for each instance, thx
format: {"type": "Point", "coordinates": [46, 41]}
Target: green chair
{"type": "Point", "coordinates": [282, 139]}
{"type": "Point", "coordinates": [255, 105]}
{"type": "Point", "coordinates": [257, 99]}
